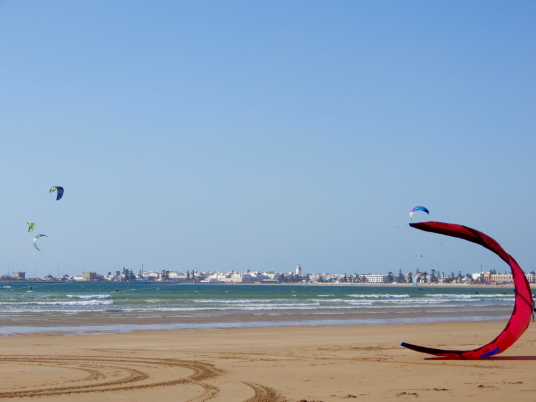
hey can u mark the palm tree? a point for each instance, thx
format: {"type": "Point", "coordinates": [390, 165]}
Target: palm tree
{"type": "Point", "coordinates": [470, 279]}
{"type": "Point", "coordinates": [400, 278]}
{"type": "Point", "coordinates": [424, 277]}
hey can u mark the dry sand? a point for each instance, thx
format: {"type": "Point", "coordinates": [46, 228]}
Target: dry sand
{"type": "Point", "coordinates": [338, 363]}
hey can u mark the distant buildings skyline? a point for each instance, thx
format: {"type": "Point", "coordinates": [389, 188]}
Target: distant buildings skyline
{"type": "Point", "coordinates": [272, 277]}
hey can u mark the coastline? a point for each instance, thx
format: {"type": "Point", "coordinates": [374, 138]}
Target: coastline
{"type": "Point", "coordinates": [164, 283]}
{"type": "Point", "coordinates": [277, 364]}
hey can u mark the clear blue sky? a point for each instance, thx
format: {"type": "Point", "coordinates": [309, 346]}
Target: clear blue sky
{"type": "Point", "coordinates": [260, 135]}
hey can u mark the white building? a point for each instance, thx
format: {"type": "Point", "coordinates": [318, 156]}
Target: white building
{"type": "Point", "coordinates": [212, 279]}
{"type": "Point", "coordinates": [150, 275]}
{"type": "Point", "coordinates": [374, 278]}
{"type": "Point", "coordinates": [177, 276]}
{"type": "Point", "coordinates": [476, 275]}
{"type": "Point", "coordinates": [298, 270]}
{"type": "Point", "coordinates": [270, 275]}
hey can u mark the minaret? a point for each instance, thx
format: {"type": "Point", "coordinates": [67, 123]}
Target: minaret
{"type": "Point", "coordinates": [298, 270]}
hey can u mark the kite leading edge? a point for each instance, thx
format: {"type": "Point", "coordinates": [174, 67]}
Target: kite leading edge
{"type": "Point", "coordinates": [524, 303]}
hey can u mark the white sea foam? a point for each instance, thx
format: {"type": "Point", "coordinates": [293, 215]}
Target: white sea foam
{"type": "Point", "coordinates": [379, 296]}
{"type": "Point", "coordinates": [75, 303]}
{"type": "Point", "coordinates": [243, 308]}
{"type": "Point", "coordinates": [473, 296]}
{"type": "Point", "coordinates": [90, 296]}
{"type": "Point", "coordinates": [241, 301]}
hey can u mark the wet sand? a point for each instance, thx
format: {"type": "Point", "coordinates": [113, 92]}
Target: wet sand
{"type": "Point", "coordinates": [87, 322]}
{"type": "Point", "coordinates": [336, 363]}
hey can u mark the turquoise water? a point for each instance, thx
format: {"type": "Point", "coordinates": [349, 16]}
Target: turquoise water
{"type": "Point", "coordinates": [111, 307]}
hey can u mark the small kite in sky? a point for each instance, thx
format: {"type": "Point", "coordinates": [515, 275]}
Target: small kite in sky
{"type": "Point", "coordinates": [31, 226]}
{"type": "Point", "coordinates": [60, 192]}
{"type": "Point", "coordinates": [419, 208]}
{"type": "Point", "coordinates": [35, 240]}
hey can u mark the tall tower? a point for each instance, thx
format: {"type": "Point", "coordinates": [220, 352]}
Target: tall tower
{"type": "Point", "coordinates": [298, 270]}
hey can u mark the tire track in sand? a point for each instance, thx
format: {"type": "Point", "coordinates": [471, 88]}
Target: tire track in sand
{"type": "Point", "coordinates": [264, 394]}
{"type": "Point", "coordinates": [134, 375]}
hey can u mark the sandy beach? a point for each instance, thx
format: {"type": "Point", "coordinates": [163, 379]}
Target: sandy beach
{"type": "Point", "coordinates": [326, 363]}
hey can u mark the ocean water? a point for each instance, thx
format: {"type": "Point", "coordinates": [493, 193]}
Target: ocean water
{"type": "Point", "coordinates": [111, 307]}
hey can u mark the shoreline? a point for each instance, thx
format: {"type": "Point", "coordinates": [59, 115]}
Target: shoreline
{"type": "Point", "coordinates": [409, 285]}
{"type": "Point", "coordinates": [68, 327]}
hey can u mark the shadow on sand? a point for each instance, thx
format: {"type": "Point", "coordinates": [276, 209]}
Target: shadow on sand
{"type": "Point", "coordinates": [486, 358]}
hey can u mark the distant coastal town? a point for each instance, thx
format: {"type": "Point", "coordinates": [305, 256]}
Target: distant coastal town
{"type": "Point", "coordinates": [270, 277]}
